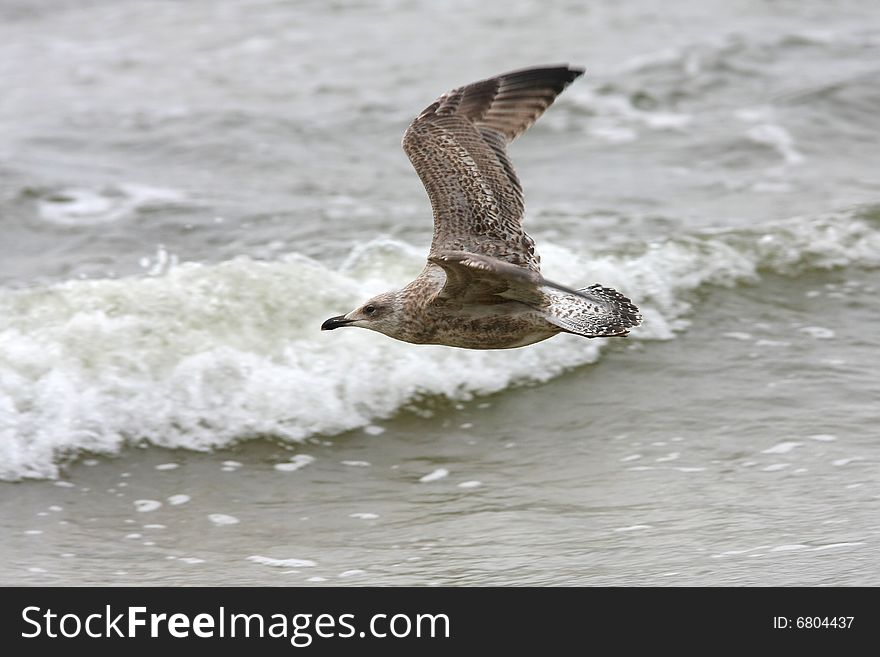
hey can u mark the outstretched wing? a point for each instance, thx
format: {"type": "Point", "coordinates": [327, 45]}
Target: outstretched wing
{"type": "Point", "coordinates": [458, 147]}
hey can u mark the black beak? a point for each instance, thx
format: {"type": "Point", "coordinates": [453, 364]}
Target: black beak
{"type": "Point", "coordinates": [335, 322]}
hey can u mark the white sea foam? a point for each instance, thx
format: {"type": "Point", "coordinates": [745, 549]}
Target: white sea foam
{"type": "Point", "coordinates": [200, 356]}
{"type": "Point", "coordinates": [833, 546]}
{"type": "Point", "coordinates": [782, 448]}
{"type": "Point", "coordinates": [282, 563]}
{"type": "Point", "coordinates": [296, 462]}
{"type": "Point", "coordinates": [819, 332]}
{"type": "Point", "coordinates": [779, 139]}
{"type": "Point", "coordinates": [145, 506]}
{"type": "Point", "coordinates": [221, 519]}
{"type": "Point", "coordinates": [80, 206]}
{"type": "Point", "coordinates": [435, 475]}
{"type": "Point", "coordinates": [616, 118]}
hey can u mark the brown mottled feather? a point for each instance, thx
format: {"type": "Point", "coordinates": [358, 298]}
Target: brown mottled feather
{"type": "Point", "coordinates": [458, 146]}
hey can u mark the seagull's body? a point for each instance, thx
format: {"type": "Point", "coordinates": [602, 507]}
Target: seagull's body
{"type": "Point", "coordinates": [482, 286]}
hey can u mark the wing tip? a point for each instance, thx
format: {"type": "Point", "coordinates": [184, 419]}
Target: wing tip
{"type": "Point", "coordinates": [563, 72]}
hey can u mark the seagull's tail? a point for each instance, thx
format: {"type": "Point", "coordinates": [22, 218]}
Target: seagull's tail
{"type": "Point", "coordinates": [595, 311]}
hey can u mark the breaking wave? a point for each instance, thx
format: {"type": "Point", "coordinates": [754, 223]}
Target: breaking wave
{"type": "Point", "coordinates": [199, 356]}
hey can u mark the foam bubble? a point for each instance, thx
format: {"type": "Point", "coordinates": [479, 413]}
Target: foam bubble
{"type": "Point", "coordinates": [296, 462]}
{"type": "Point", "coordinates": [282, 563]}
{"type": "Point", "coordinates": [779, 139]}
{"type": "Point", "coordinates": [221, 519]}
{"type": "Point", "coordinates": [782, 448]}
{"type": "Point", "coordinates": [145, 506]}
{"type": "Point", "coordinates": [772, 343]}
{"type": "Point", "coordinates": [818, 332]}
{"type": "Point", "coordinates": [79, 206]}
{"type": "Point", "coordinates": [439, 473]}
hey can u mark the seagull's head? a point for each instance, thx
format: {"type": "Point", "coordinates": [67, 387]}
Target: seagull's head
{"type": "Point", "coordinates": [378, 314]}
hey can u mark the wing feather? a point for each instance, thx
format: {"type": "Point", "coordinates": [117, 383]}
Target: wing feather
{"type": "Point", "coordinates": [477, 279]}
{"type": "Point", "coordinates": [458, 147]}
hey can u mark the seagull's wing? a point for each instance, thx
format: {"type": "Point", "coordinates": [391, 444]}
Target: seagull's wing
{"type": "Point", "coordinates": [477, 279]}
{"type": "Point", "coordinates": [473, 279]}
{"type": "Point", "coordinates": [458, 147]}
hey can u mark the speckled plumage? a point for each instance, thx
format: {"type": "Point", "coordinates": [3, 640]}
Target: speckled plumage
{"type": "Point", "coordinates": [482, 286]}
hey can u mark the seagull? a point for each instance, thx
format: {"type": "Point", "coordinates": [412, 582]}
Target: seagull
{"type": "Point", "coordinates": [481, 287]}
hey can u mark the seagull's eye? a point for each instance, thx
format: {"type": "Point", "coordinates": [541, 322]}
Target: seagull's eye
{"type": "Point", "coordinates": [369, 310]}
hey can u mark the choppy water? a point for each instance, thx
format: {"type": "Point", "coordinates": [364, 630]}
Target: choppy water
{"type": "Point", "coordinates": [188, 189]}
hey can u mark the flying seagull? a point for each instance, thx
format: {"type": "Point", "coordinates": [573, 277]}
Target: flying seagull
{"type": "Point", "coordinates": [482, 286]}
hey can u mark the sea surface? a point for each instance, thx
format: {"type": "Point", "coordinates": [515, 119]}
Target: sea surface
{"type": "Point", "coordinates": [188, 189]}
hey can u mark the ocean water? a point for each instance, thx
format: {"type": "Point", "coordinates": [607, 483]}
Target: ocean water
{"type": "Point", "coordinates": [187, 190]}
